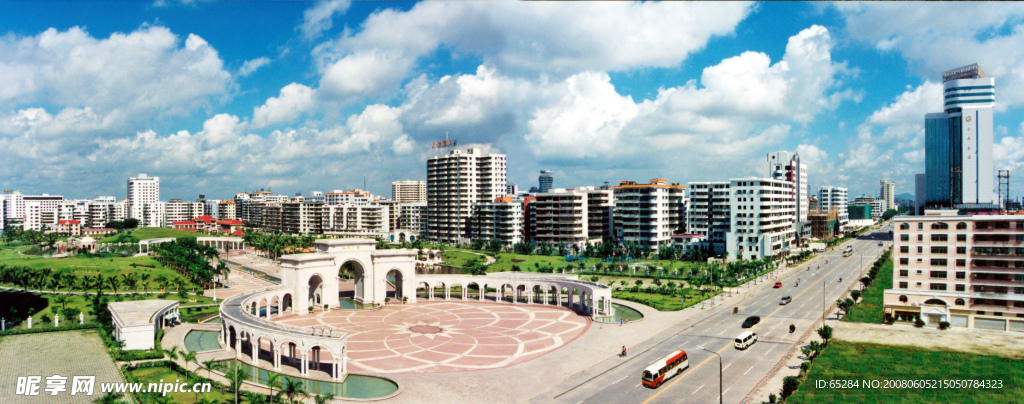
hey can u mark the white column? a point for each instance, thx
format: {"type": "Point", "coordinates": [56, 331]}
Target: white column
{"type": "Point", "coordinates": [305, 365]}
{"type": "Point", "coordinates": [238, 347]}
{"type": "Point", "coordinates": [255, 342]}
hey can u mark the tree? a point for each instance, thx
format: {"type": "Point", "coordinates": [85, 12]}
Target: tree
{"type": "Point", "coordinates": [845, 304]}
{"type": "Point", "coordinates": [130, 223]}
{"type": "Point", "coordinates": [323, 398]}
{"type": "Point", "coordinates": [172, 353]}
{"type": "Point", "coordinates": [292, 389]}
{"type": "Point", "coordinates": [889, 214]}
{"type": "Point", "coordinates": [62, 300]}
{"type": "Point", "coordinates": [209, 364]}
{"type": "Point", "coordinates": [255, 398]}
{"type": "Point", "coordinates": [789, 386]}
{"type": "Point", "coordinates": [237, 376]}
{"type": "Point", "coordinates": [825, 332]}
{"type": "Point", "coordinates": [273, 381]}
{"type": "Point", "coordinates": [865, 281]}
{"type": "Point", "coordinates": [856, 295]}
{"type": "Point", "coordinates": [807, 352]}
{"type": "Point", "coordinates": [109, 398]}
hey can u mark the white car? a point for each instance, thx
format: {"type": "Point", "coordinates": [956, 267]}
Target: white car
{"type": "Point", "coordinates": [785, 300]}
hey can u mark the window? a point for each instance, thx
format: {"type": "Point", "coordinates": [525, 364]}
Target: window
{"type": "Point", "coordinates": [939, 262]}
{"type": "Point", "coordinates": [1018, 278]}
{"type": "Point", "coordinates": [959, 302]}
{"type": "Point", "coordinates": [1018, 291]}
{"type": "Point", "coordinates": [903, 298]}
{"type": "Point", "coordinates": [904, 261]}
{"type": "Point", "coordinates": [940, 250]}
{"type": "Point", "coordinates": [920, 226]}
{"type": "Point", "coordinates": [939, 237]}
{"type": "Point", "coordinates": [920, 237]}
{"type": "Point", "coordinates": [961, 288]}
{"type": "Point", "coordinates": [905, 226]}
{"type": "Point", "coordinates": [938, 286]}
{"type": "Point", "coordinates": [961, 237]}
{"type": "Point", "coordinates": [904, 273]}
{"type": "Point", "coordinates": [961, 275]}
{"type": "Point", "coordinates": [961, 250]}
{"type": "Point", "coordinates": [961, 226]}
{"type": "Point", "coordinates": [938, 274]}
{"type": "Point", "coordinates": [904, 237]}
{"type": "Point", "coordinates": [903, 285]}
{"type": "Point", "coordinates": [920, 250]}
{"type": "Point", "coordinates": [961, 263]}
{"type": "Point", "coordinates": [904, 249]}
{"type": "Point", "coordinates": [939, 226]}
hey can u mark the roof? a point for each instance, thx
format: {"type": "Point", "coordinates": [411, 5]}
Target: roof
{"type": "Point", "coordinates": [139, 312]}
{"type": "Point", "coordinates": [205, 218]}
{"type": "Point", "coordinates": [238, 233]}
{"type": "Point", "coordinates": [184, 222]}
{"type": "Point", "coordinates": [91, 230]}
{"type": "Point", "coordinates": [230, 222]}
{"type": "Point", "coordinates": [68, 222]}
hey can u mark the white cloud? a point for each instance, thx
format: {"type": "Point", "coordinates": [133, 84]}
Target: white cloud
{"type": "Point", "coordinates": [293, 100]}
{"type": "Point", "coordinates": [137, 75]}
{"type": "Point", "coordinates": [364, 74]}
{"type": "Point", "coordinates": [250, 66]}
{"type": "Point", "coordinates": [317, 19]}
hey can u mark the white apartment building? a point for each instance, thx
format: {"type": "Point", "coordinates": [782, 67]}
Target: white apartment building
{"type": "Point", "coordinates": [142, 190]}
{"type": "Point", "coordinates": [393, 210]}
{"type": "Point", "coordinates": [559, 216]}
{"type": "Point", "coordinates": [302, 218]}
{"type": "Point", "coordinates": [710, 213]}
{"type": "Point", "coordinates": [600, 213]}
{"type": "Point", "coordinates": [409, 191]}
{"type": "Point", "coordinates": [180, 211]}
{"type": "Point", "coordinates": [153, 215]}
{"type": "Point", "coordinates": [649, 213]}
{"type": "Point", "coordinates": [834, 197]}
{"type": "Point", "coordinates": [501, 220]}
{"type": "Point", "coordinates": [763, 211]}
{"type": "Point", "coordinates": [226, 210]}
{"type": "Point", "coordinates": [785, 166]}
{"type": "Point", "coordinates": [356, 219]}
{"type": "Point", "coordinates": [887, 195]}
{"type": "Point", "coordinates": [15, 205]}
{"type": "Point", "coordinates": [413, 216]}
{"type": "Point", "coordinates": [455, 181]}
{"type": "Point", "coordinates": [353, 197]}
{"type": "Point", "coordinates": [42, 211]}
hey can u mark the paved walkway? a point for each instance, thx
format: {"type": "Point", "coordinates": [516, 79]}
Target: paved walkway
{"type": "Point", "coordinates": [240, 281]}
{"type": "Point", "coordinates": [448, 336]}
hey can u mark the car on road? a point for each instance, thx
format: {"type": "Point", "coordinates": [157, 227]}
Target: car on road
{"type": "Point", "coordinates": [751, 321]}
{"type": "Point", "coordinates": [745, 340]}
{"type": "Point", "coordinates": [778, 284]}
{"type": "Point", "coordinates": [785, 300]}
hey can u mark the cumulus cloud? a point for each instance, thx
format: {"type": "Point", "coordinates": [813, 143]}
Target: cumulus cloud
{"type": "Point", "coordinates": [140, 74]}
{"type": "Point", "coordinates": [317, 19]}
{"type": "Point", "coordinates": [250, 66]}
{"type": "Point", "coordinates": [293, 101]}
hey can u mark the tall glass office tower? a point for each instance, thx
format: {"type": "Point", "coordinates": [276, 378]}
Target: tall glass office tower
{"type": "Point", "coordinates": [958, 141]}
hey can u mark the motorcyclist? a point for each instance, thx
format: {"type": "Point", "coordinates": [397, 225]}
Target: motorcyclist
{"type": "Point", "coordinates": [623, 350]}
{"type": "Point", "coordinates": [792, 328]}
{"type": "Point", "coordinates": [840, 279]}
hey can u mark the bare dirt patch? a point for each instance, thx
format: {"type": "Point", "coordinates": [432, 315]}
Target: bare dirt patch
{"type": "Point", "coordinates": [954, 339]}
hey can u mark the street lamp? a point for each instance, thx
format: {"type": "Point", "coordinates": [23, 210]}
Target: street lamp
{"type": "Point", "coordinates": [719, 372]}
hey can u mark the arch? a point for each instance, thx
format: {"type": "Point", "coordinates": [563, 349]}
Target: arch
{"type": "Point", "coordinates": [264, 307]}
{"type": "Point", "coordinates": [936, 301]}
{"type": "Point", "coordinates": [469, 291]}
{"type": "Point", "coordinates": [905, 226]}
{"type": "Point", "coordinates": [939, 226]}
{"type": "Point", "coordinates": [316, 296]}
{"type": "Point", "coordinates": [507, 292]}
{"type": "Point", "coordinates": [287, 303]}
{"type": "Point", "coordinates": [960, 302]}
{"type": "Point", "coordinates": [396, 278]}
{"type": "Point", "coordinates": [321, 358]}
{"type": "Point", "coordinates": [357, 269]}
{"type": "Point", "coordinates": [425, 287]}
{"type": "Point", "coordinates": [274, 306]}
{"type": "Point", "coordinates": [961, 226]}
{"type": "Point", "coordinates": [903, 298]}
{"type": "Point", "coordinates": [434, 291]}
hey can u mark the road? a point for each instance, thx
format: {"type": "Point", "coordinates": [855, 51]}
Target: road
{"type": "Point", "coordinates": [741, 370]}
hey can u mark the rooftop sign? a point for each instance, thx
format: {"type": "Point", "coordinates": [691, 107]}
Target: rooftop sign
{"type": "Point", "coordinates": [974, 71]}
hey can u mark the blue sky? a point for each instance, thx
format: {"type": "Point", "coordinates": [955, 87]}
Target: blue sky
{"type": "Point", "coordinates": [222, 97]}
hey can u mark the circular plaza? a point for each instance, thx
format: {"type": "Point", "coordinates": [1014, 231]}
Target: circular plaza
{"type": "Point", "coordinates": [446, 336]}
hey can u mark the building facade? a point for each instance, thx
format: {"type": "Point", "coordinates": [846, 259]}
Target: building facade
{"type": "Point", "coordinates": [958, 141]}
{"type": "Point", "coordinates": [763, 212]}
{"type": "Point", "coordinates": [887, 194]}
{"type": "Point", "coordinates": [409, 191]}
{"type": "Point", "coordinates": [501, 220]}
{"type": "Point", "coordinates": [455, 181]}
{"type": "Point", "coordinates": [142, 191]}
{"type": "Point", "coordinates": [834, 198]}
{"type": "Point", "coordinates": [649, 213]}
{"type": "Point", "coordinates": [967, 270]}
{"type": "Point", "coordinates": [546, 181]}
{"type": "Point", "coordinates": [710, 213]}
{"type": "Point", "coordinates": [559, 216]}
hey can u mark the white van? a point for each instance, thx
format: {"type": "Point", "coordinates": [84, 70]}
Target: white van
{"type": "Point", "coordinates": [745, 340]}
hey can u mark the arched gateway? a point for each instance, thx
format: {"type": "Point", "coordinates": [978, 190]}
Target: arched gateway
{"type": "Point", "coordinates": [315, 275]}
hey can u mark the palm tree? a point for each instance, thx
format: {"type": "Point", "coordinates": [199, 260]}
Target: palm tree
{"type": "Point", "coordinates": [209, 364]}
{"type": "Point", "coordinates": [172, 353]}
{"type": "Point", "coordinates": [255, 398]}
{"type": "Point", "coordinates": [237, 376]}
{"type": "Point", "coordinates": [323, 398]}
{"type": "Point", "coordinates": [114, 282]}
{"type": "Point", "coordinates": [292, 388]}
{"type": "Point", "coordinates": [109, 398]}
{"type": "Point", "coordinates": [62, 300]}
{"type": "Point", "coordinates": [273, 380]}
{"type": "Point", "coordinates": [188, 357]}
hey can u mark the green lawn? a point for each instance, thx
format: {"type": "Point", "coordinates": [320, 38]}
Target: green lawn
{"type": "Point", "coordinates": [664, 302]}
{"type": "Point", "coordinates": [852, 361]}
{"type": "Point", "coordinates": [147, 233]}
{"type": "Point", "coordinates": [869, 310]}
{"type": "Point", "coordinates": [155, 374]}
{"type": "Point", "coordinates": [81, 266]}
{"type": "Point", "coordinates": [84, 304]}
{"type": "Point", "coordinates": [462, 259]}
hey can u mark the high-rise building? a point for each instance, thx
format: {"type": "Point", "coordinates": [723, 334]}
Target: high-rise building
{"type": "Point", "coordinates": [500, 220]}
{"type": "Point", "coordinates": [142, 190]}
{"type": "Point", "coordinates": [783, 166]}
{"type": "Point", "coordinates": [920, 192]}
{"type": "Point", "coordinates": [413, 216]}
{"type": "Point", "coordinates": [649, 213]}
{"type": "Point", "coordinates": [761, 223]}
{"type": "Point", "coordinates": [834, 198]}
{"type": "Point", "coordinates": [546, 180]}
{"type": "Point", "coordinates": [409, 191]}
{"type": "Point", "coordinates": [559, 216]}
{"type": "Point", "coordinates": [42, 211]}
{"type": "Point", "coordinates": [710, 213]}
{"type": "Point", "coordinates": [512, 190]}
{"type": "Point", "coordinates": [887, 194]}
{"type": "Point", "coordinates": [958, 141]}
{"type": "Point", "coordinates": [455, 181]}
{"type": "Point", "coordinates": [15, 205]}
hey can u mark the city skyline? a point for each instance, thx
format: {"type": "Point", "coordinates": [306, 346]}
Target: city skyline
{"type": "Point", "coordinates": [323, 94]}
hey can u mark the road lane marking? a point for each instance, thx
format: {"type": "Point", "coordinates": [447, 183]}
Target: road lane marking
{"type": "Point", "coordinates": [623, 378]}
{"type": "Point", "coordinates": [698, 389]}
{"type": "Point", "coordinates": [726, 367]}
{"type": "Point", "coordinates": [683, 376]}
{"type": "Point", "coordinates": [748, 370]}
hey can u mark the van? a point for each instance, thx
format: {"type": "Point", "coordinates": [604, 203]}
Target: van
{"type": "Point", "coordinates": [745, 340]}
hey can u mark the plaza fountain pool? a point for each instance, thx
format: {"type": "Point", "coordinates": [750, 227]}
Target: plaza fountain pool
{"type": "Point", "coordinates": [622, 314]}
{"type": "Point", "coordinates": [355, 386]}
{"type": "Point", "coordinates": [348, 303]}
{"type": "Point", "coordinates": [201, 341]}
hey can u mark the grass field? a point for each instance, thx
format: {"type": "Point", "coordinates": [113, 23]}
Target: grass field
{"type": "Point", "coordinates": [664, 302]}
{"type": "Point", "coordinates": [81, 266]}
{"type": "Point", "coordinates": [147, 233]}
{"type": "Point", "coordinates": [462, 259]}
{"type": "Point", "coordinates": [869, 310]}
{"type": "Point", "coordinates": [852, 361]}
{"type": "Point", "coordinates": [155, 374]}
{"type": "Point", "coordinates": [84, 304]}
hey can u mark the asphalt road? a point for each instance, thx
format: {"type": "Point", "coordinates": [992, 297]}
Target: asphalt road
{"type": "Point", "coordinates": [741, 370]}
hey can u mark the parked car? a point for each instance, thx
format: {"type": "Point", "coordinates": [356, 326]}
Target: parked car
{"type": "Point", "coordinates": [778, 284]}
{"type": "Point", "coordinates": [785, 300]}
{"type": "Point", "coordinates": [751, 321]}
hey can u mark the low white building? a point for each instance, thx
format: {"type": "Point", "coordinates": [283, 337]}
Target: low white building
{"type": "Point", "coordinates": [136, 323]}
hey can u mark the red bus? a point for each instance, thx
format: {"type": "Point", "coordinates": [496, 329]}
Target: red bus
{"type": "Point", "coordinates": [656, 374]}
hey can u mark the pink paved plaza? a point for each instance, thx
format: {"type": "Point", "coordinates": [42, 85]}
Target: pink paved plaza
{"type": "Point", "coordinates": [447, 336]}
